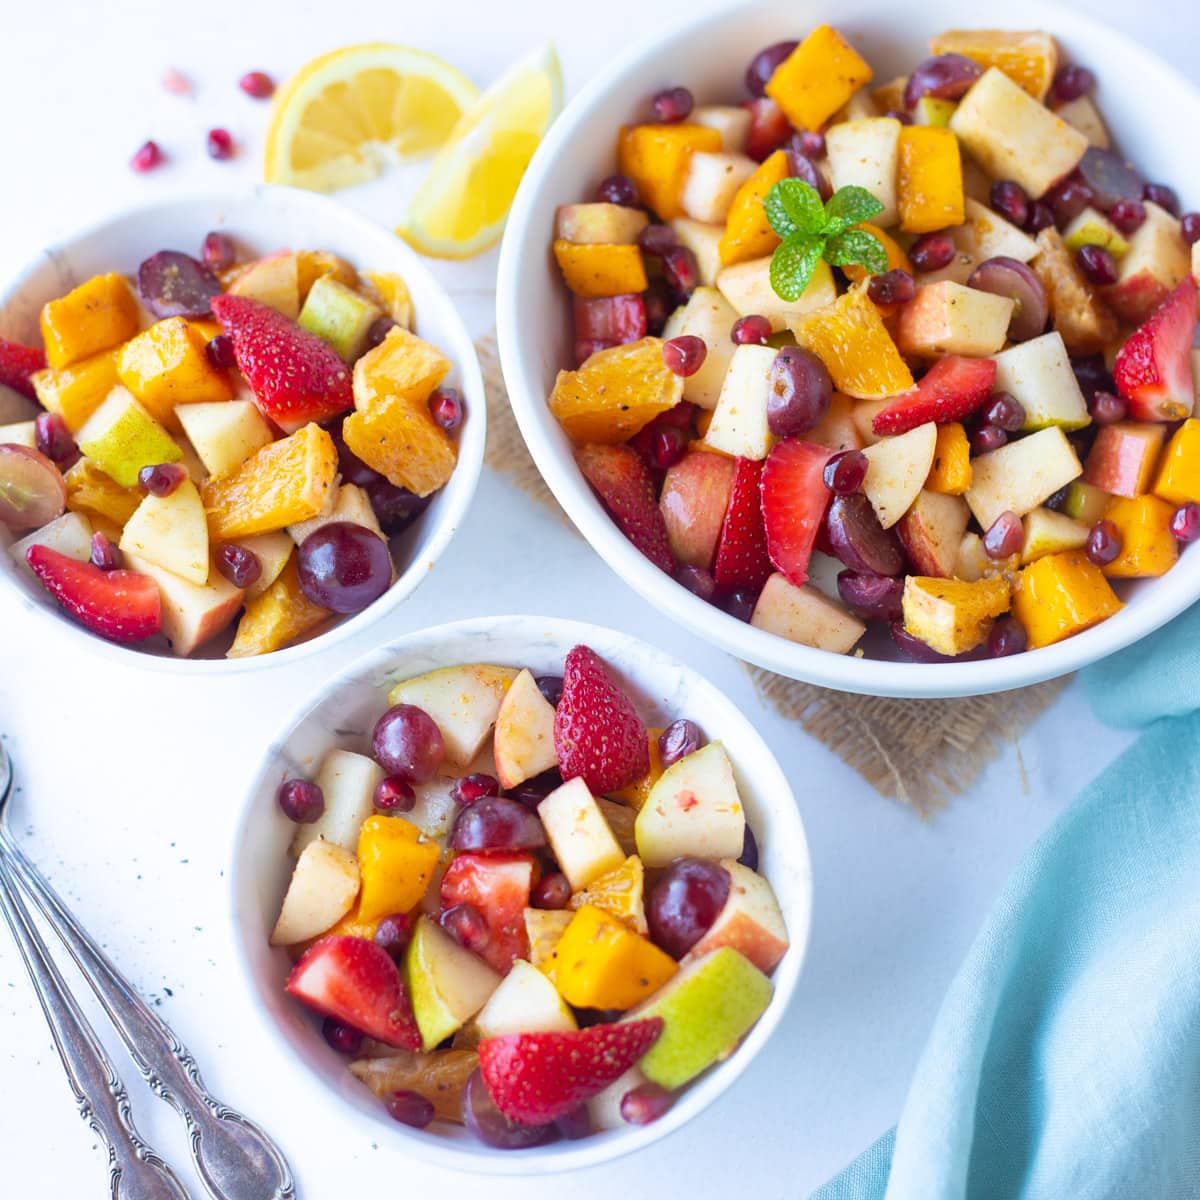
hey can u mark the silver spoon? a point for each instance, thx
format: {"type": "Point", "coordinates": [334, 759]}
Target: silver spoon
{"type": "Point", "coordinates": [234, 1158]}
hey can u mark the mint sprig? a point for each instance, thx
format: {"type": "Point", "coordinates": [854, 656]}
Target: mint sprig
{"type": "Point", "coordinates": [810, 230]}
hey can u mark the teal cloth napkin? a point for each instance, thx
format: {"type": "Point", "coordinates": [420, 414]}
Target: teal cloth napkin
{"type": "Point", "coordinates": [1065, 1061]}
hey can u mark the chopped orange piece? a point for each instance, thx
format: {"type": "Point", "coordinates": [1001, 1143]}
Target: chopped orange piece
{"type": "Point", "coordinates": [897, 259]}
{"type": "Point", "coordinates": [850, 338]}
{"type": "Point", "coordinates": [619, 892]}
{"type": "Point", "coordinates": [951, 471]}
{"type": "Point", "coordinates": [95, 316]}
{"type": "Point", "coordinates": [397, 437]}
{"type": "Point", "coordinates": [285, 482]}
{"type": "Point", "coordinates": [1028, 59]}
{"type": "Point", "coordinates": [929, 179]}
{"type": "Point", "coordinates": [1178, 477]}
{"type": "Point", "coordinates": [91, 491]}
{"type": "Point", "coordinates": [615, 393]}
{"type": "Point", "coordinates": [656, 158]}
{"type": "Point", "coordinates": [401, 365]}
{"type": "Point", "coordinates": [817, 78]}
{"type": "Point", "coordinates": [748, 233]}
{"type": "Point", "coordinates": [953, 615]}
{"type": "Point", "coordinates": [1148, 547]}
{"type": "Point", "coordinates": [166, 365]}
{"type": "Point", "coordinates": [393, 292]}
{"type": "Point", "coordinates": [1058, 595]}
{"type": "Point", "coordinates": [76, 392]}
{"type": "Point", "coordinates": [596, 269]}
{"type": "Point", "coordinates": [312, 264]}
{"type": "Point", "coordinates": [635, 794]}
{"type": "Point", "coordinates": [277, 617]}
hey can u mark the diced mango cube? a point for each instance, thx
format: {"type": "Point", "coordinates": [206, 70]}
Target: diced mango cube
{"type": "Point", "coordinates": [1059, 595]}
{"type": "Point", "coordinates": [817, 78]}
{"type": "Point", "coordinates": [748, 233]}
{"type": "Point", "coordinates": [596, 269]}
{"type": "Point", "coordinates": [91, 491]}
{"type": "Point", "coordinates": [1148, 547]}
{"type": "Point", "coordinates": [398, 437]}
{"type": "Point", "coordinates": [283, 483]}
{"type": "Point", "coordinates": [951, 615]}
{"type": "Point", "coordinates": [76, 392]}
{"type": "Point", "coordinates": [401, 365]}
{"type": "Point", "coordinates": [929, 179]}
{"type": "Point", "coordinates": [600, 963]}
{"type": "Point", "coordinates": [95, 316]}
{"type": "Point", "coordinates": [656, 158]}
{"type": "Point", "coordinates": [166, 365]}
{"type": "Point", "coordinates": [1178, 479]}
{"type": "Point", "coordinates": [395, 865]}
{"type": "Point", "coordinates": [951, 471]}
{"type": "Point", "coordinates": [1028, 59]}
{"type": "Point", "coordinates": [615, 393]}
{"type": "Point", "coordinates": [276, 617]}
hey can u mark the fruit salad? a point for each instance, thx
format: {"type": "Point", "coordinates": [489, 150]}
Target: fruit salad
{"type": "Point", "coordinates": [520, 909]}
{"type": "Point", "coordinates": [859, 357]}
{"type": "Point", "coordinates": [214, 454]}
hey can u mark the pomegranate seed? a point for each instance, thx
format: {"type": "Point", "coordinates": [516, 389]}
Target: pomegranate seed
{"type": "Point", "coordinates": [345, 1039]}
{"type": "Point", "coordinates": [656, 240]}
{"type": "Point", "coordinates": [1071, 82]}
{"type": "Point", "coordinates": [645, 1103]}
{"type": "Point", "coordinates": [1004, 411]}
{"type": "Point", "coordinates": [257, 84]}
{"type": "Point", "coordinates": [892, 287]}
{"type": "Point", "coordinates": [1127, 215]}
{"type": "Point", "coordinates": [394, 933]}
{"type": "Point", "coordinates": [1097, 264]}
{"type": "Point", "coordinates": [218, 251]}
{"type": "Point", "coordinates": [410, 1108]}
{"type": "Point", "coordinates": [220, 144]}
{"type": "Point", "coordinates": [844, 473]}
{"type": "Point", "coordinates": [219, 351]}
{"type": "Point", "coordinates": [898, 114]}
{"type": "Point", "coordinates": [679, 266]}
{"type": "Point", "coordinates": [551, 687]}
{"type": "Point", "coordinates": [1005, 537]}
{"type": "Point", "coordinates": [1189, 225]}
{"type": "Point", "coordinates": [672, 105]}
{"type": "Point", "coordinates": [394, 795]}
{"type": "Point", "coordinates": [176, 82]}
{"type": "Point", "coordinates": [446, 408]}
{"type": "Point", "coordinates": [1185, 523]}
{"type": "Point", "coordinates": [1007, 637]}
{"type": "Point", "coordinates": [988, 438]}
{"type": "Point", "coordinates": [1108, 409]}
{"type": "Point", "coordinates": [1011, 201]}
{"type": "Point", "coordinates": [678, 740]}
{"type": "Point", "coordinates": [1103, 543]}
{"type": "Point", "coordinates": [239, 565]}
{"type": "Point", "coordinates": [1163, 196]}
{"type": "Point", "coordinates": [752, 330]}
{"type": "Point", "coordinates": [147, 157]}
{"type": "Point", "coordinates": [379, 329]}
{"type": "Point", "coordinates": [618, 189]}
{"type": "Point", "coordinates": [465, 924]}
{"type": "Point", "coordinates": [684, 355]}
{"type": "Point", "coordinates": [470, 788]}
{"type": "Point", "coordinates": [54, 440]}
{"type": "Point", "coordinates": [161, 480]}
{"type": "Point", "coordinates": [1041, 216]}
{"type": "Point", "coordinates": [105, 555]}
{"type": "Point", "coordinates": [932, 251]}
{"type": "Point", "coordinates": [301, 800]}
{"type": "Point", "coordinates": [697, 580]}
{"type": "Point", "coordinates": [740, 604]}
{"type": "Point", "coordinates": [1066, 200]}
{"type": "Point", "coordinates": [667, 446]}
{"type": "Point", "coordinates": [657, 299]}
{"type": "Point", "coordinates": [551, 891]}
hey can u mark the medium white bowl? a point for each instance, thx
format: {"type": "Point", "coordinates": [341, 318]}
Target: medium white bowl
{"type": "Point", "coordinates": [343, 714]}
{"type": "Point", "coordinates": [1146, 104]}
{"type": "Point", "coordinates": [262, 219]}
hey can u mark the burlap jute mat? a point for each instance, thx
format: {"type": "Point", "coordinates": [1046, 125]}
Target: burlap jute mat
{"type": "Point", "coordinates": [920, 752]}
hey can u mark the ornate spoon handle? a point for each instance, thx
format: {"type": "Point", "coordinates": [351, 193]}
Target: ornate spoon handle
{"type": "Point", "coordinates": [136, 1171]}
{"type": "Point", "coordinates": [235, 1159]}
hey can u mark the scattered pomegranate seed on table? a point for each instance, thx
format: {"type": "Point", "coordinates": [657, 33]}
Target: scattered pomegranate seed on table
{"type": "Point", "coordinates": [257, 84]}
{"type": "Point", "coordinates": [147, 157]}
{"type": "Point", "coordinates": [176, 82]}
{"type": "Point", "coordinates": [220, 144]}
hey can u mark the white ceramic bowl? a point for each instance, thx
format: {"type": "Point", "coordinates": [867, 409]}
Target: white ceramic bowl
{"type": "Point", "coordinates": [1146, 104]}
{"type": "Point", "coordinates": [343, 714]}
{"type": "Point", "coordinates": [263, 219]}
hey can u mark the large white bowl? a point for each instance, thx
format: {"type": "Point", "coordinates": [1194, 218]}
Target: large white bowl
{"type": "Point", "coordinates": [1146, 104]}
{"type": "Point", "coordinates": [263, 219]}
{"type": "Point", "coordinates": [343, 714]}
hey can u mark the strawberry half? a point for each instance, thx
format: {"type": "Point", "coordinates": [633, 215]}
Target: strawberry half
{"type": "Point", "coordinates": [17, 364]}
{"type": "Point", "coordinates": [534, 1078]}
{"type": "Point", "coordinates": [1154, 368]}
{"type": "Point", "coordinates": [122, 606]}
{"type": "Point", "coordinates": [622, 480]}
{"type": "Point", "coordinates": [742, 561]}
{"type": "Point", "coordinates": [598, 735]}
{"type": "Point", "coordinates": [498, 886]}
{"type": "Point", "coordinates": [953, 388]}
{"type": "Point", "coordinates": [356, 982]}
{"type": "Point", "coordinates": [296, 378]}
{"type": "Point", "coordinates": [794, 500]}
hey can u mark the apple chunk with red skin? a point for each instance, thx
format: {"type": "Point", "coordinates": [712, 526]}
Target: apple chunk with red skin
{"type": "Point", "coordinates": [932, 531]}
{"type": "Point", "coordinates": [750, 921]}
{"type": "Point", "coordinates": [694, 498]}
{"type": "Point", "coordinates": [1123, 456]}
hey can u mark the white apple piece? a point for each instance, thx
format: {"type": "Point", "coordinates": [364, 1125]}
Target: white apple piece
{"type": "Point", "coordinates": [323, 889]}
{"type": "Point", "coordinates": [896, 471]}
{"type": "Point", "coordinates": [579, 835]}
{"type": "Point", "coordinates": [191, 614]}
{"type": "Point", "coordinates": [447, 984]}
{"type": "Point", "coordinates": [435, 808]}
{"type": "Point", "coordinates": [1083, 114]}
{"type": "Point", "coordinates": [694, 809]}
{"type": "Point", "coordinates": [707, 315]}
{"type": "Point", "coordinates": [604, 1108]}
{"type": "Point", "coordinates": [190, 462]}
{"type": "Point", "coordinates": [972, 562]}
{"type": "Point", "coordinates": [21, 433]}
{"type": "Point", "coordinates": [463, 701]}
{"type": "Point", "coordinates": [15, 408]}
{"type": "Point", "coordinates": [1157, 262]}
{"type": "Point", "coordinates": [339, 316]}
{"type": "Point", "coordinates": [1021, 475]}
{"type": "Point", "coordinates": [599, 224]}
{"type": "Point", "coordinates": [1012, 136]}
{"type": "Point", "coordinates": [859, 107]}
{"type": "Point", "coordinates": [863, 414]}
{"type": "Point", "coordinates": [739, 423]}
{"type": "Point", "coordinates": [224, 433]}
{"type": "Point", "coordinates": [747, 286]}
{"type": "Point", "coordinates": [273, 281]}
{"type": "Point", "coordinates": [524, 740]}
{"type": "Point", "coordinates": [986, 234]}
{"type": "Point", "coordinates": [172, 532]}
{"type": "Point", "coordinates": [704, 241]}
{"type": "Point", "coordinates": [70, 534]}
{"type": "Point", "coordinates": [272, 551]}
{"type": "Point", "coordinates": [1050, 532]}
{"type": "Point", "coordinates": [806, 616]}
{"type": "Point", "coordinates": [1038, 374]}
{"type": "Point", "coordinates": [731, 121]}
{"type": "Point", "coordinates": [350, 503]}
{"type": "Point", "coordinates": [948, 318]}
{"type": "Point", "coordinates": [347, 781]}
{"type": "Point", "coordinates": [932, 531]}
{"type": "Point", "coordinates": [866, 153]}
{"type": "Point", "coordinates": [525, 1002]}
{"type": "Point", "coordinates": [711, 182]}
{"type": "Point", "coordinates": [750, 921]}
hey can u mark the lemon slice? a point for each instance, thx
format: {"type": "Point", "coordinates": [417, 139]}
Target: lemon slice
{"type": "Point", "coordinates": [461, 206]}
{"type": "Point", "coordinates": [344, 116]}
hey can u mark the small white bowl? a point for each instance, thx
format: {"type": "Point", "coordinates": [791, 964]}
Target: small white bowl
{"type": "Point", "coordinates": [709, 56]}
{"type": "Point", "coordinates": [343, 714]}
{"type": "Point", "coordinates": [262, 219]}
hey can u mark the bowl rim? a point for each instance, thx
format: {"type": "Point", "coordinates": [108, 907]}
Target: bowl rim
{"type": "Point", "coordinates": [471, 445]}
{"type": "Point", "coordinates": [524, 245]}
{"type": "Point", "coordinates": [564, 1155]}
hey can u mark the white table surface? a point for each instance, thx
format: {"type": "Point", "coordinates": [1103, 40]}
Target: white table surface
{"type": "Point", "coordinates": [130, 782]}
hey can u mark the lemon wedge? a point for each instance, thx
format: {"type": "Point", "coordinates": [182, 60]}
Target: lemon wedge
{"type": "Point", "coordinates": [461, 206]}
{"type": "Point", "coordinates": [342, 118]}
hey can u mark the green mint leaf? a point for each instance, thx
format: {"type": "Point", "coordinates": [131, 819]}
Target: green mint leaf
{"type": "Point", "coordinates": [794, 208]}
{"type": "Point", "coordinates": [849, 206]}
{"type": "Point", "coordinates": [857, 246]}
{"type": "Point", "coordinates": [793, 264]}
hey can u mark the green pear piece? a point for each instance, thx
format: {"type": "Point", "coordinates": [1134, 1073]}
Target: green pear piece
{"type": "Point", "coordinates": [448, 985]}
{"type": "Point", "coordinates": [339, 316]}
{"type": "Point", "coordinates": [121, 438]}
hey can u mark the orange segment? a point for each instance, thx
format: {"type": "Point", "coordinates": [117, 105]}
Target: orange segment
{"type": "Point", "coordinates": [397, 437]}
{"type": "Point", "coordinates": [619, 892]}
{"type": "Point", "coordinates": [1028, 59]}
{"type": "Point", "coordinates": [91, 491]}
{"type": "Point", "coordinates": [748, 233]}
{"type": "Point", "coordinates": [75, 392]}
{"type": "Point", "coordinates": [656, 158]}
{"type": "Point", "coordinates": [897, 259]}
{"type": "Point", "coordinates": [280, 615]}
{"type": "Point", "coordinates": [312, 264]}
